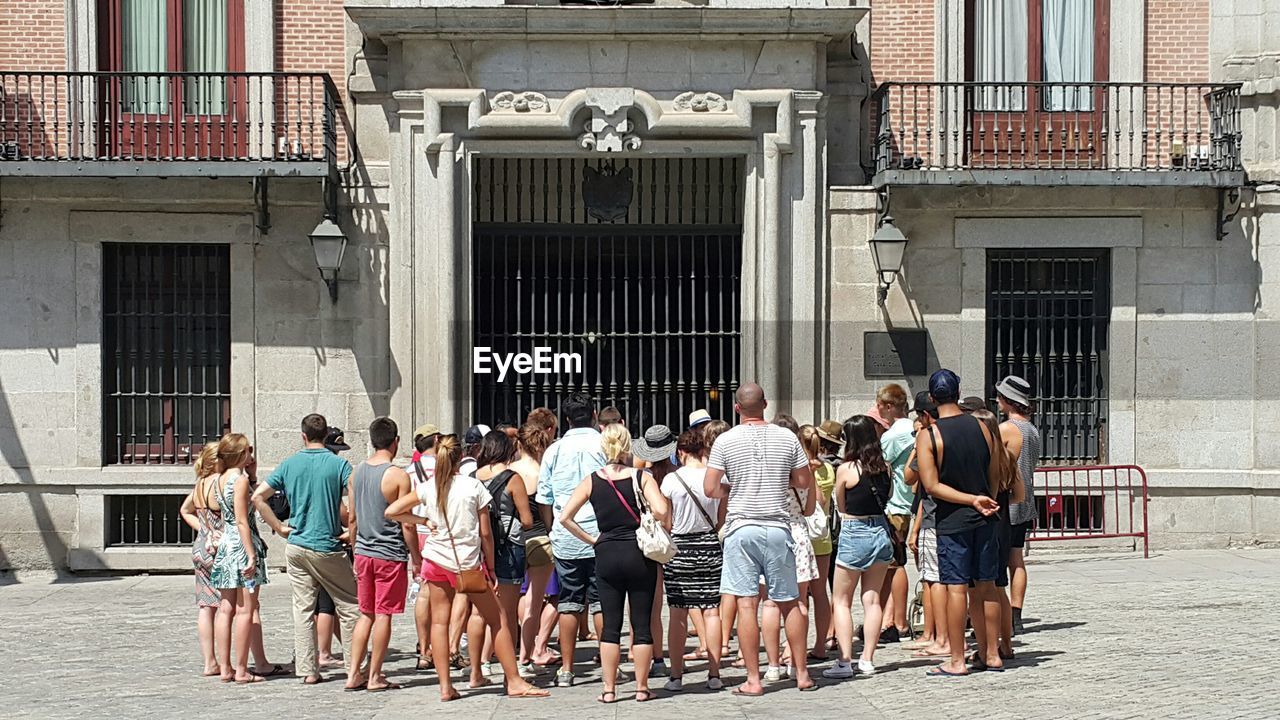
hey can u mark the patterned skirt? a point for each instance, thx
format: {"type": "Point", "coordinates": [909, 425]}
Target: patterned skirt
{"type": "Point", "coordinates": [692, 578]}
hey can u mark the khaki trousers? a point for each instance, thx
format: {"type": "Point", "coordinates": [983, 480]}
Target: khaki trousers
{"type": "Point", "coordinates": [308, 572]}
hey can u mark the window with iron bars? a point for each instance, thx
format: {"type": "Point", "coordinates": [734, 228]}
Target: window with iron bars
{"type": "Point", "coordinates": [146, 520]}
{"type": "Point", "coordinates": [1048, 315]}
{"type": "Point", "coordinates": [166, 350]}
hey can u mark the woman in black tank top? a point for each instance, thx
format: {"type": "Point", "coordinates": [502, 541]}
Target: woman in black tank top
{"type": "Point", "coordinates": [624, 575]}
{"type": "Point", "coordinates": [863, 484]}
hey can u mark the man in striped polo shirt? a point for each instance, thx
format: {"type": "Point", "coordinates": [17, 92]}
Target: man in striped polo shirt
{"type": "Point", "coordinates": [755, 465]}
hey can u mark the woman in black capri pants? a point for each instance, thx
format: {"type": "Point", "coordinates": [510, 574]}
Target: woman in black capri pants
{"type": "Point", "coordinates": [623, 573]}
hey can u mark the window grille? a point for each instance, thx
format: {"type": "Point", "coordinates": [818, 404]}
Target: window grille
{"type": "Point", "coordinates": [146, 520]}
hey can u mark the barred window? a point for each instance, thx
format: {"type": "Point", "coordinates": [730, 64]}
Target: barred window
{"type": "Point", "coordinates": [166, 350]}
{"type": "Point", "coordinates": [146, 520]}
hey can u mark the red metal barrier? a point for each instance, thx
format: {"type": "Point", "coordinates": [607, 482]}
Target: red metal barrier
{"type": "Point", "coordinates": [1090, 502]}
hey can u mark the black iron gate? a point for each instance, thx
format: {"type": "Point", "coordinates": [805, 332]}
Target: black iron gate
{"type": "Point", "coordinates": [649, 303]}
{"type": "Point", "coordinates": [1048, 315]}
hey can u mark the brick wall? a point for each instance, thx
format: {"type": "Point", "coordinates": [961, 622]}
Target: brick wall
{"type": "Point", "coordinates": [32, 35]}
{"type": "Point", "coordinates": [310, 37]}
{"type": "Point", "coordinates": [1177, 41]}
{"type": "Point", "coordinates": [902, 40]}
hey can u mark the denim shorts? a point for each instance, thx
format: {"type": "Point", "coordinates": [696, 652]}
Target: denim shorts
{"type": "Point", "coordinates": [752, 552]}
{"type": "Point", "coordinates": [578, 589]}
{"type": "Point", "coordinates": [509, 560]}
{"type": "Point", "coordinates": [969, 556]}
{"type": "Point", "coordinates": [863, 543]}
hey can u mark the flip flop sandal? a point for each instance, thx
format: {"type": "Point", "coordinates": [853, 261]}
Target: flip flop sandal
{"type": "Point", "coordinates": [357, 688]}
{"type": "Point", "coordinates": [605, 694]}
{"type": "Point", "coordinates": [384, 688]}
{"type": "Point", "coordinates": [644, 695]}
{"type": "Point", "coordinates": [808, 688]}
{"type": "Point", "coordinates": [252, 679]}
{"type": "Point", "coordinates": [532, 692]}
{"type": "Point", "coordinates": [276, 671]}
{"type": "Point", "coordinates": [743, 693]}
{"type": "Point", "coordinates": [927, 654]}
{"type": "Point", "coordinates": [940, 672]}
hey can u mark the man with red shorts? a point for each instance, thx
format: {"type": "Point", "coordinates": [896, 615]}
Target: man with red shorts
{"type": "Point", "coordinates": [382, 548]}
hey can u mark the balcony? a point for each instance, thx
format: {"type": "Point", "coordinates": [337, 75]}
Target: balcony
{"type": "Point", "coordinates": [1099, 134]}
{"type": "Point", "coordinates": [167, 124]}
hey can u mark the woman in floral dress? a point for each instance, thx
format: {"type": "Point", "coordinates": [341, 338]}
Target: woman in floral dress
{"type": "Point", "coordinates": [201, 510]}
{"type": "Point", "coordinates": [240, 566]}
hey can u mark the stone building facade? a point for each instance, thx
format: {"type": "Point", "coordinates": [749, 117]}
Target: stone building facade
{"type": "Point", "coordinates": [474, 150]}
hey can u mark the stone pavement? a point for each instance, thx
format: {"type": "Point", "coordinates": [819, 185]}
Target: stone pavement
{"type": "Point", "coordinates": [1179, 635]}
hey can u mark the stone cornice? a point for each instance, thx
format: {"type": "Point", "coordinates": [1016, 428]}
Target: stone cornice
{"type": "Point", "coordinates": [422, 18]}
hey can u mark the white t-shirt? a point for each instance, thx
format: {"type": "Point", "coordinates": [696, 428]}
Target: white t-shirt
{"type": "Point", "coordinates": [428, 463]}
{"type": "Point", "coordinates": [685, 518]}
{"type": "Point", "coordinates": [468, 497]}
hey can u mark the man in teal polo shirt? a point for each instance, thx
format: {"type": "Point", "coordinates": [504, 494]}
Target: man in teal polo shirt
{"type": "Point", "coordinates": [314, 481]}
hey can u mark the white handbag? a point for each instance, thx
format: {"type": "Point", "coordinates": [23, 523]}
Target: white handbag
{"type": "Point", "coordinates": [653, 539]}
{"type": "Point", "coordinates": [816, 523]}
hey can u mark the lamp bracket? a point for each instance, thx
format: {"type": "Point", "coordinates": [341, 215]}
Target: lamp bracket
{"type": "Point", "coordinates": [882, 204]}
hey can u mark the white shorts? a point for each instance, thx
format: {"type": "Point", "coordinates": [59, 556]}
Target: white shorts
{"type": "Point", "coordinates": [927, 557]}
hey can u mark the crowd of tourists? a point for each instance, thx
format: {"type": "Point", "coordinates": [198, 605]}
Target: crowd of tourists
{"type": "Point", "coordinates": [760, 532]}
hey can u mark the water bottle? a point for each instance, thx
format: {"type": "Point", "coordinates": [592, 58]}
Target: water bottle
{"type": "Point", "coordinates": [413, 592]}
{"type": "Point", "coordinates": [251, 585]}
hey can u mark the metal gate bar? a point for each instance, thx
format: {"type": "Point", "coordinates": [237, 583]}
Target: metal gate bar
{"type": "Point", "coordinates": [1048, 315]}
{"type": "Point", "coordinates": [652, 310]}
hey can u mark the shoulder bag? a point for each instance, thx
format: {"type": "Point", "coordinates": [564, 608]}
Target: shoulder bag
{"type": "Point", "coordinates": [470, 582]}
{"type": "Point", "coordinates": [711, 524]}
{"type": "Point", "coordinates": [653, 539]}
{"type": "Point", "coordinates": [899, 543]}
{"type": "Point", "coordinates": [815, 523]}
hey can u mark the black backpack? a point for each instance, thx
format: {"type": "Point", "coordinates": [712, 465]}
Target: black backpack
{"type": "Point", "coordinates": [497, 487]}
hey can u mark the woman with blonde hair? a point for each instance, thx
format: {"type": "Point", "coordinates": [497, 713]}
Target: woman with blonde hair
{"type": "Point", "coordinates": [200, 511]}
{"type": "Point", "coordinates": [460, 542]}
{"type": "Point", "coordinates": [619, 493]}
{"type": "Point", "coordinates": [824, 477]}
{"type": "Point", "coordinates": [241, 563]}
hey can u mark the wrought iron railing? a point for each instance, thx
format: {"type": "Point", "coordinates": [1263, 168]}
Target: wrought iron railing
{"type": "Point", "coordinates": [168, 116]}
{"type": "Point", "coordinates": [1056, 126]}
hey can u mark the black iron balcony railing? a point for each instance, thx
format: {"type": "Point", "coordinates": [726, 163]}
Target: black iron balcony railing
{"type": "Point", "coordinates": [1115, 127]}
{"type": "Point", "coordinates": [86, 117]}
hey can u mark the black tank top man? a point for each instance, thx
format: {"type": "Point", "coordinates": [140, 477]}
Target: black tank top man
{"type": "Point", "coordinates": [966, 458]}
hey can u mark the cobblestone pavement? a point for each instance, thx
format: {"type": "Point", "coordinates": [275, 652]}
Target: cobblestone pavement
{"type": "Point", "coordinates": [1179, 635]}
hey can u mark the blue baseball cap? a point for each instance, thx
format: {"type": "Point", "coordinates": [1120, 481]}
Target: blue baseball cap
{"type": "Point", "coordinates": [944, 386]}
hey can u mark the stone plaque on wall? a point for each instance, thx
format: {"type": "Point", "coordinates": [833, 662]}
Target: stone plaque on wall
{"type": "Point", "coordinates": [895, 354]}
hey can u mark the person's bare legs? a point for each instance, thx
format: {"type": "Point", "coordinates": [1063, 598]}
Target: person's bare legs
{"type": "Point", "coordinates": [569, 640]}
{"type": "Point", "coordinates": [642, 658]}
{"type": "Point", "coordinates": [797, 624]}
{"type": "Point", "coordinates": [259, 649]}
{"type": "Point", "coordinates": [359, 646]}
{"type": "Point", "coordinates": [422, 623]}
{"type": "Point", "coordinates": [987, 592]}
{"type": "Point", "coordinates": [206, 618]}
{"type": "Point", "coordinates": [842, 610]}
{"type": "Point", "coordinates": [699, 630]}
{"type": "Point", "coordinates": [441, 595]}
{"type": "Point", "coordinates": [939, 597]}
{"type": "Point", "coordinates": [821, 608]}
{"type": "Point", "coordinates": [655, 618]}
{"type": "Point", "coordinates": [486, 605]}
{"type": "Point", "coordinates": [1006, 623]}
{"type": "Point", "coordinates": [547, 625]}
{"type": "Point", "coordinates": [476, 637]}
{"type": "Point", "coordinates": [678, 631]}
{"type": "Point", "coordinates": [728, 617]}
{"type": "Point", "coordinates": [509, 602]}
{"type": "Point", "coordinates": [531, 615]}
{"type": "Point", "coordinates": [711, 629]}
{"type": "Point", "coordinates": [749, 643]}
{"type": "Point", "coordinates": [246, 602]}
{"type": "Point", "coordinates": [770, 628]}
{"type": "Point", "coordinates": [872, 608]}
{"type": "Point", "coordinates": [899, 599]}
{"type": "Point", "coordinates": [957, 608]}
{"type": "Point", "coordinates": [1017, 579]}
{"type": "Point", "coordinates": [222, 632]}
{"type": "Point", "coordinates": [326, 628]}
{"type": "Point", "coordinates": [459, 612]}
{"type": "Point", "coordinates": [378, 653]}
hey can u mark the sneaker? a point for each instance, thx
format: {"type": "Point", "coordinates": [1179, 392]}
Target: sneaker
{"type": "Point", "coordinates": [658, 668]}
{"type": "Point", "coordinates": [889, 635]}
{"type": "Point", "coordinates": [564, 679]}
{"type": "Point", "coordinates": [840, 671]}
{"type": "Point", "coordinates": [527, 670]}
{"type": "Point", "coordinates": [675, 684]}
{"type": "Point", "coordinates": [715, 683]}
{"type": "Point", "coordinates": [865, 667]}
{"type": "Point", "coordinates": [774, 674]}
{"type": "Point", "coordinates": [486, 669]}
